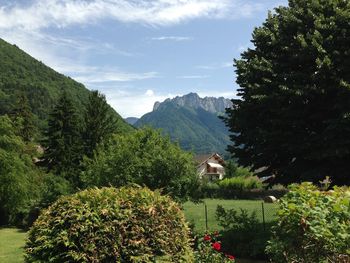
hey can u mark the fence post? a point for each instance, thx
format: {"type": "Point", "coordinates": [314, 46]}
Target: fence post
{"type": "Point", "coordinates": [206, 216]}
{"type": "Point", "coordinates": [263, 214]}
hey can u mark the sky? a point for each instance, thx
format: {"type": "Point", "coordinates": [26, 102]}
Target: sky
{"type": "Point", "coordinates": [137, 52]}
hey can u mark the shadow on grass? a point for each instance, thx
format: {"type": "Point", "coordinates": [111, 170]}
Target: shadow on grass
{"type": "Point", "coordinates": [249, 242]}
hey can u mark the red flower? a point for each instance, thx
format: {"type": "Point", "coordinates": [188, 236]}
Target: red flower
{"type": "Point", "coordinates": [231, 257]}
{"type": "Point", "coordinates": [207, 238]}
{"type": "Point", "coordinates": [216, 246]}
{"type": "Point", "coordinates": [216, 233]}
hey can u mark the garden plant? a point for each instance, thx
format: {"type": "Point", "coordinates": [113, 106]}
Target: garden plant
{"type": "Point", "coordinates": [130, 224]}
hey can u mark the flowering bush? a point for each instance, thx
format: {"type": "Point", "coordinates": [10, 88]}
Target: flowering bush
{"type": "Point", "coordinates": [209, 250]}
{"type": "Point", "coordinates": [313, 226]}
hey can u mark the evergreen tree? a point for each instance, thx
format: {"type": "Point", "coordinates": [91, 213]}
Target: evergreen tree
{"type": "Point", "coordinates": [63, 143]}
{"type": "Point", "coordinates": [23, 114]}
{"type": "Point", "coordinates": [293, 117]}
{"type": "Point", "coordinates": [99, 122]}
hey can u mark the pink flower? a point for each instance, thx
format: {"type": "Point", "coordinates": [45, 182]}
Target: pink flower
{"type": "Point", "coordinates": [216, 246]}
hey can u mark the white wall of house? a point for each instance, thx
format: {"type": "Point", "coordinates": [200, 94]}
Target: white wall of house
{"type": "Point", "coordinates": [202, 169]}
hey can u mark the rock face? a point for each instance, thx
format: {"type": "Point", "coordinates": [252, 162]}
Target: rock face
{"type": "Point", "coordinates": [192, 100]}
{"type": "Point", "coordinates": [192, 122]}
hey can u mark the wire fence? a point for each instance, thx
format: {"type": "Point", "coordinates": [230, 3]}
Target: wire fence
{"type": "Point", "coordinates": [203, 215]}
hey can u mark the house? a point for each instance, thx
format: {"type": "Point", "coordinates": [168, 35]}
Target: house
{"type": "Point", "coordinates": [210, 166]}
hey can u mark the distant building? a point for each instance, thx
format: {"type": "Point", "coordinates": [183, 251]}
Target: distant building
{"type": "Point", "coordinates": [210, 166]}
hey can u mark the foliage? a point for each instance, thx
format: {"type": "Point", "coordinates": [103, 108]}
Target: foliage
{"type": "Point", "coordinates": [53, 187]}
{"type": "Point", "coordinates": [240, 183]}
{"type": "Point", "coordinates": [63, 144]}
{"type": "Point", "coordinates": [293, 114]}
{"type": "Point", "coordinates": [19, 180]}
{"type": "Point", "coordinates": [23, 113]}
{"type": "Point", "coordinates": [243, 232]}
{"type": "Point", "coordinates": [145, 158]}
{"type": "Point", "coordinates": [209, 250]}
{"type": "Point", "coordinates": [99, 123]}
{"type": "Point", "coordinates": [130, 224]}
{"type": "Point", "coordinates": [195, 130]}
{"type": "Point", "coordinates": [232, 169]}
{"type": "Point", "coordinates": [313, 226]}
{"type": "Point", "coordinates": [21, 73]}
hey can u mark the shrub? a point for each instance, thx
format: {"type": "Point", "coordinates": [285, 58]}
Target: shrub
{"type": "Point", "coordinates": [209, 250]}
{"type": "Point", "coordinates": [241, 183]}
{"type": "Point", "coordinates": [243, 233]}
{"type": "Point", "coordinates": [143, 157]}
{"type": "Point", "coordinates": [313, 226]}
{"type": "Point", "coordinates": [130, 224]}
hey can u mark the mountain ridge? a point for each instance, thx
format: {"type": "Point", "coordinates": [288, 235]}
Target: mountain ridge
{"type": "Point", "coordinates": [188, 121]}
{"type": "Point", "coordinates": [22, 73]}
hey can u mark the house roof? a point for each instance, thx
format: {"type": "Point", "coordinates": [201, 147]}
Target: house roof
{"type": "Point", "coordinates": [204, 157]}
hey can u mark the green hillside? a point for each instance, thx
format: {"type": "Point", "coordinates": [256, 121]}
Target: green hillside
{"type": "Point", "coordinates": [21, 73]}
{"type": "Point", "coordinates": [194, 129]}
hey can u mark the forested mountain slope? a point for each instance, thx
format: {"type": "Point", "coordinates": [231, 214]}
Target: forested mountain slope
{"type": "Point", "coordinates": [191, 122]}
{"type": "Point", "coordinates": [22, 74]}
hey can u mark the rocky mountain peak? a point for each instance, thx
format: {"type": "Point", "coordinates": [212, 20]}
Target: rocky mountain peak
{"type": "Point", "coordinates": [192, 100]}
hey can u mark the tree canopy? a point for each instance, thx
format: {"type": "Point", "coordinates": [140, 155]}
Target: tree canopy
{"type": "Point", "coordinates": [19, 179]}
{"type": "Point", "coordinates": [99, 123]}
{"type": "Point", "coordinates": [145, 158]}
{"type": "Point", "coordinates": [293, 115]}
{"type": "Point", "coordinates": [63, 143]}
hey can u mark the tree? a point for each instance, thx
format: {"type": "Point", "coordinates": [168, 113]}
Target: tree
{"type": "Point", "coordinates": [24, 114]}
{"type": "Point", "coordinates": [19, 180]}
{"type": "Point", "coordinates": [99, 123]}
{"type": "Point", "coordinates": [145, 158]}
{"type": "Point", "coordinates": [293, 117]}
{"type": "Point", "coordinates": [63, 143]}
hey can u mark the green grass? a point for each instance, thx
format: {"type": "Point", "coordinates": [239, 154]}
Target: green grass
{"type": "Point", "coordinates": [12, 240]}
{"type": "Point", "coordinates": [11, 245]}
{"type": "Point", "coordinates": [195, 213]}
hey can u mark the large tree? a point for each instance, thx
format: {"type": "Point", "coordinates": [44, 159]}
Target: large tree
{"type": "Point", "coordinates": [99, 123]}
{"type": "Point", "coordinates": [146, 158]}
{"type": "Point", "coordinates": [20, 181]}
{"type": "Point", "coordinates": [63, 143]}
{"type": "Point", "coordinates": [293, 117]}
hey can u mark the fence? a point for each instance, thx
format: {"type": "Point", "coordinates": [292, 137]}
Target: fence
{"type": "Point", "coordinates": [203, 215]}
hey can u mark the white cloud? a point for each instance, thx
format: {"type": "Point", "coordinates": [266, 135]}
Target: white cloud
{"type": "Point", "coordinates": [96, 75]}
{"type": "Point", "coordinates": [61, 13]}
{"type": "Point", "coordinates": [149, 92]}
{"type": "Point", "coordinates": [173, 38]}
{"type": "Point", "coordinates": [193, 77]}
{"type": "Point", "coordinates": [133, 104]}
{"type": "Point", "coordinates": [216, 66]}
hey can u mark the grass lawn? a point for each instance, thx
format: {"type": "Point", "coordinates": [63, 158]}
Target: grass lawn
{"type": "Point", "coordinates": [12, 240]}
{"type": "Point", "coordinates": [11, 245]}
{"type": "Point", "coordinates": [195, 213]}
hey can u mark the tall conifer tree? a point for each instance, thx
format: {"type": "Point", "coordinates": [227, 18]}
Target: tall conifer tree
{"type": "Point", "coordinates": [24, 113]}
{"type": "Point", "coordinates": [99, 123]}
{"type": "Point", "coordinates": [63, 143]}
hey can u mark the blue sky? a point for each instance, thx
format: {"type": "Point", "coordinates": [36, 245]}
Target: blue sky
{"type": "Point", "coordinates": [137, 52]}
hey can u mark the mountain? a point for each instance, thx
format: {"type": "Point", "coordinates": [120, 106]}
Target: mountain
{"type": "Point", "coordinates": [192, 121]}
{"type": "Point", "coordinates": [20, 73]}
{"type": "Point", "coordinates": [131, 120]}
{"type": "Point", "coordinates": [192, 100]}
